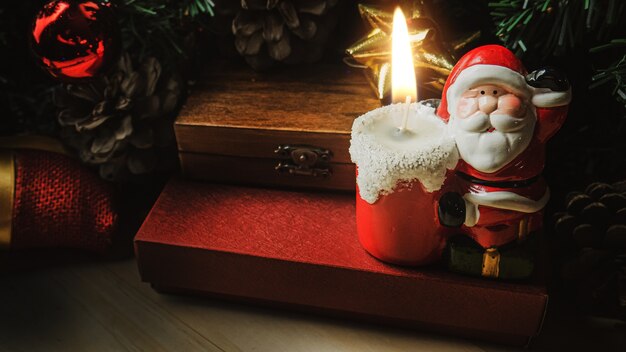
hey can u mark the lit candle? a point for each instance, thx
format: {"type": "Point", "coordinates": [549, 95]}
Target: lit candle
{"type": "Point", "coordinates": [404, 85]}
{"type": "Point", "coordinates": [403, 153]}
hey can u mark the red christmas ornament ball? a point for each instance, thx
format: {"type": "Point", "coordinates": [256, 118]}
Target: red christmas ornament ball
{"type": "Point", "coordinates": [74, 39]}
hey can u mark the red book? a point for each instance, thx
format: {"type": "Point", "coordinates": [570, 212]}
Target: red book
{"type": "Point", "coordinates": [301, 249]}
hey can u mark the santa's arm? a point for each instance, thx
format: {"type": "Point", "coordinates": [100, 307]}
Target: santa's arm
{"type": "Point", "coordinates": [501, 200]}
{"type": "Point", "coordinates": [455, 210]}
{"type": "Point", "coordinates": [551, 95]}
{"type": "Point", "coordinates": [549, 121]}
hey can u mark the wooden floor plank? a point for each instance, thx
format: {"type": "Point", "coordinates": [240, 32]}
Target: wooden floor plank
{"type": "Point", "coordinates": [104, 306]}
{"type": "Point", "coordinates": [138, 323]}
{"type": "Point", "coordinates": [251, 328]}
{"type": "Point", "coordinates": [36, 315]}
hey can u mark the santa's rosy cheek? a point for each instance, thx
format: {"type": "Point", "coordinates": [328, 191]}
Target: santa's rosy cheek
{"type": "Point", "coordinates": [466, 107]}
{"type": "Point", "coordinates": [510, 104]}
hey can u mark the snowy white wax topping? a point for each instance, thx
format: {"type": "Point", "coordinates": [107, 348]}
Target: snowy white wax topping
{"type": "Point", "coordinates": [386, 156]}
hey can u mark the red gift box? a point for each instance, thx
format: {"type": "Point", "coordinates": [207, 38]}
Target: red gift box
{"type": "Point", "coordinates": [301, 249]}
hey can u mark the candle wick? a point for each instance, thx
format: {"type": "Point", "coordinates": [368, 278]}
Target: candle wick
{"type": "Point", "coordinates": [405, 118]}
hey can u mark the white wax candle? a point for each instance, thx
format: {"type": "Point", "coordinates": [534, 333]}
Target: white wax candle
{"type": "Point", "coordinates": [386, 155]}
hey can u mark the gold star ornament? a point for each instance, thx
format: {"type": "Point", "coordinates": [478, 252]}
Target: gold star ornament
{"type": "Point", "coordinates": [432, 57]}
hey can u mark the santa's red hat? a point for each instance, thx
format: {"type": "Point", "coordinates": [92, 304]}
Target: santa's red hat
{"type": "Point", "coordinates": [493, 64]}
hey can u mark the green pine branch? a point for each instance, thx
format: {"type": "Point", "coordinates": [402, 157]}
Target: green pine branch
{"type": "Point", "coordinates": [614, 74]}
{"type": "Point", "coordinates": [157, 27]}
{"type": "Point", "coordinates": [553, 27]}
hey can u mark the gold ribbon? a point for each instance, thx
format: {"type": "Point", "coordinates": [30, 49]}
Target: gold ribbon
{"type": "Point", "coordinates": [432, 57]}
{"type": "Point", "coordinates": [34, 143]}
{"type": "Point", "coordinates": [7, 193]}
{"type": "Point", "coordinates": [491, 262]}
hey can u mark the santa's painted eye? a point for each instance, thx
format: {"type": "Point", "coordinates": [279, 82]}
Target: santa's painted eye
{"type": "Point", "coordinates": [495, 92]}
{"type": "Point", "coordinates": [482, 92]}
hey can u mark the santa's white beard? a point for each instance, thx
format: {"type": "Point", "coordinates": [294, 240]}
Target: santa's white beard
{"type": "Point", "coordinates": [486, 151]}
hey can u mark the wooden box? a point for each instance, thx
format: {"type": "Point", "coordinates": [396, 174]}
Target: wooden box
{"type": "Point", "coordinates": [289, 127]}
{"type": "Point", "coordinates": [300, 250]}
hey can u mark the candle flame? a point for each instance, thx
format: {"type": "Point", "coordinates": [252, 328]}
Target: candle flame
{"type": "Point", "coordinates": [403, 82]}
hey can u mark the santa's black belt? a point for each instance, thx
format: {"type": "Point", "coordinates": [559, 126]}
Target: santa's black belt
{"type": "Point", "coordinates": [498, 184]}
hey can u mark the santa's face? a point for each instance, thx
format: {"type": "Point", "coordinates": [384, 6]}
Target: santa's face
{"type": "Point", "coordinates": [491, 127]}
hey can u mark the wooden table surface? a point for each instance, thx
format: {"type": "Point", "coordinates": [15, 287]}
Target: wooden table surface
{"type": "Point", "coordinates": [103, 306]}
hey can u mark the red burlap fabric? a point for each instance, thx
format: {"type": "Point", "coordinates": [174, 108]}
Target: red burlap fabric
{"type": "Point", "coordinates": [59, 203]}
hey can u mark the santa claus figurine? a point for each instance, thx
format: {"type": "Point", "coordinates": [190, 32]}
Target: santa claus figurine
{"type": "Point", "coordinates": [500, 117]}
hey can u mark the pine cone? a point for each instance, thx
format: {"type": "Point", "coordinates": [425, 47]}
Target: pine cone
{"type": "Point", "coordinates": [121, 122]}
{"type": "Point", "coordinates": [592, 235]}
{"type": "Point", "coordinates": [290, 31]}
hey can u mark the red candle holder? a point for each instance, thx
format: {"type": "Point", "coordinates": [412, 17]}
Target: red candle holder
{"type": "Point", "coordinates": [402, 227]}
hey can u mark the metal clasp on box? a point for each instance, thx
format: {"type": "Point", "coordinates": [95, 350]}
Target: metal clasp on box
{"type": "Point", "coordinates": [303, 160]}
